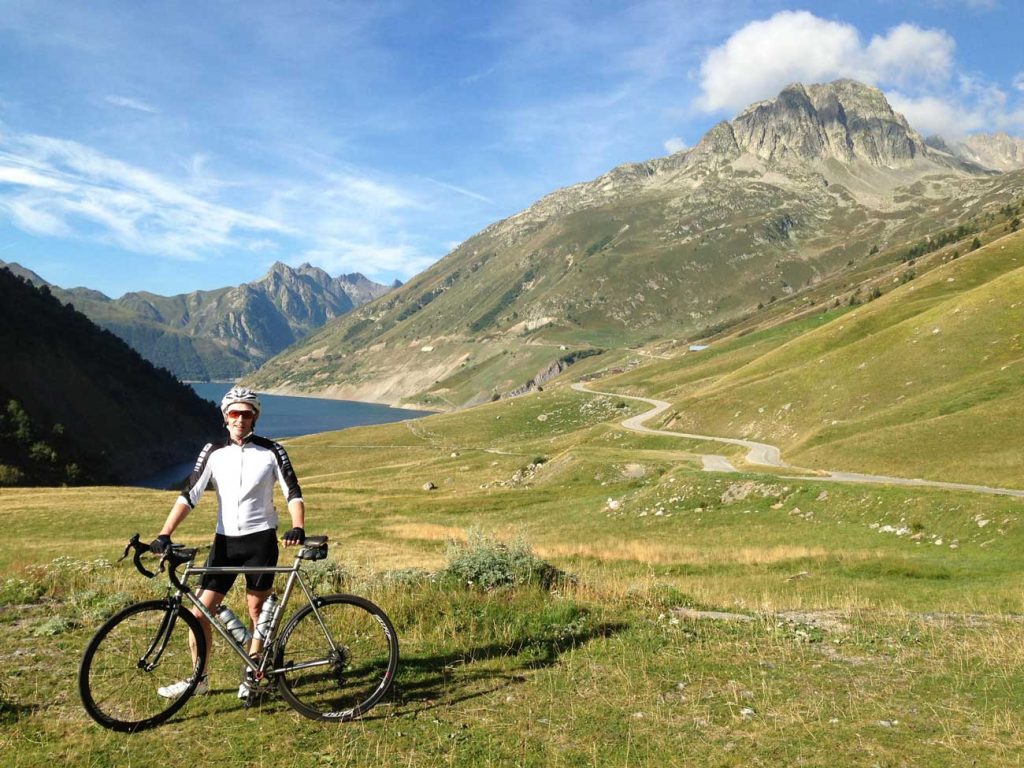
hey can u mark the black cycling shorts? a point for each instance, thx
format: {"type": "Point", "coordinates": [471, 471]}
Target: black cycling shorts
{"type": "Point", "coordinates": [252, 549]}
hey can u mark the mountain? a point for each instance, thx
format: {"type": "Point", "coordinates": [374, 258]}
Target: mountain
{"type": "Point", "coordinates": [224, 333]}
{"type": "Point", "coordinates": [790, 203]}
{"type": "Point", "coordinates": [77, 405]}
{"type": "Point", "coordinates": [995, 151]}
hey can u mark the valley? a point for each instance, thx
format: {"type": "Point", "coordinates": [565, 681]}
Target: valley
{"type": "Point", "coordinates": [807, 553]}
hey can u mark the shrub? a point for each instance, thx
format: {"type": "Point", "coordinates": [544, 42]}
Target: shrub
{"type": "Point", "coordinates": [487, 563]}
{"type": "Point", "coordinates": [324, 576]}
{"type": "Point", "coordinates": [55, 625]}
{"type": "Point", "coordinates": [94, 606]}
{"type": "Point", "coordinates": [16, 591]}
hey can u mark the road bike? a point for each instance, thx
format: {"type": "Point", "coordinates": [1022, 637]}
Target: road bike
{"type": "Point", "coordinates": [334, 659]}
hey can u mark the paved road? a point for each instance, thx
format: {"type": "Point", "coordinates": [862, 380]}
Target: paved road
{"type": "Point", "coordinates": [769, 456]}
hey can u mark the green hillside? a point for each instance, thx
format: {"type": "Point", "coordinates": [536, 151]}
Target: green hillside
{"type": "Point", "coordinates": [79, 405]}
{"type": "Point", "coordinates": [925, 381]}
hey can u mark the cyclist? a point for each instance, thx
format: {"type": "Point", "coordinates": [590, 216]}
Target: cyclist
{"type": "Point", "coordinates": [243, 468]}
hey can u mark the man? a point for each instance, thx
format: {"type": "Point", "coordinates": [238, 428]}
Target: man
{"type": "Point", "coordinates": [243, 469]}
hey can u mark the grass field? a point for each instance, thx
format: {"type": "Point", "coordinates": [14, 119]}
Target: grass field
{"type": "Point", "coordinates": [924, 382]}
{"type": "Point", "coordinates": [710, 619]}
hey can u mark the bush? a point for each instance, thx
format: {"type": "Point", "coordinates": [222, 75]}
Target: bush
{"type": "Point", "coordinates": [487, 563]}
{"type": "Point", "coordinates": [325, 576]}
{"type": "Point", "coordinates": [16, 591]}
{"type": "Point", "coordinates": [55, 625]}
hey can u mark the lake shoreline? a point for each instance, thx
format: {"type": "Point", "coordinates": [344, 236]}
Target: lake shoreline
{"type": "Point", "coordinates": [286, 392]}
{"type": "Point", "coordinates": [286, 417]}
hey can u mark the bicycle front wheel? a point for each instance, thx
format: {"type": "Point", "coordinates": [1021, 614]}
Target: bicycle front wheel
{"type": "Point", "coordinates": [338, 659]}
{"type": "Point", "coordinates": [134, 654]}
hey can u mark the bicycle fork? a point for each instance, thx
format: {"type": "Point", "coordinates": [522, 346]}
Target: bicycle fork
{"type": "Point", "coordinates": [151, 658]}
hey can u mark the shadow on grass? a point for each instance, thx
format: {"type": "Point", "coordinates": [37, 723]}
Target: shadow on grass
{"type": "Point", "coordinates": [11, 712]}
{"type": "Point", "coordinates": [426, 682]}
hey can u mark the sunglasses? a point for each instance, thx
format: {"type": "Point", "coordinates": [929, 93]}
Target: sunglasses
{"type": "Point", "coordinates": [241, 414]}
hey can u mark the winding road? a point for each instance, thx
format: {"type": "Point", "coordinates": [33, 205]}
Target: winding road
{"type": "Point", "coordinates": [762, 454]}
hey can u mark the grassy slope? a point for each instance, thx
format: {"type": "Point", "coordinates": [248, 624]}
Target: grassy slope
{"type": "Point", "coordinates": [924, 381]}
{"type": "Point", "coordinates": [646, 265]}
{"type": "Point", "coordinates": [866, 646]}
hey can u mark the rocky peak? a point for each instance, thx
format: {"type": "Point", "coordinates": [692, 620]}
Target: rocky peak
{"type": "Point", "coordinates": [844, 120]}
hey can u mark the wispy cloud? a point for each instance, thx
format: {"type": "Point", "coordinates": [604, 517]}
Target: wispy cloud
{"type": "Point", "coordinates": [56, 187]}
{"type": "Point", "coordinates": [130, 103]}
{"type": "Point", "coordinates": [461, 191]}
{"type": "Point", "coordinates": [63, 188]}
{"type": "Point", "coordinates": [675, 144]}
{"type": "Point", "coordinates": [340, 219]}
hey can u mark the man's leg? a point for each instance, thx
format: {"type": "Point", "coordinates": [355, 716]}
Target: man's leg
{"type": "Point", "coordinates": [255, 599]}
{"type": "Point", "coordinates": [211, 600]}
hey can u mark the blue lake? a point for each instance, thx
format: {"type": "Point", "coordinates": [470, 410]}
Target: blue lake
{"type": "Point", "coordinates": [285, 416]}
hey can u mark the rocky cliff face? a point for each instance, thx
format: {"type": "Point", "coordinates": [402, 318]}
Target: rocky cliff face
{"type": "Point", "coordinates": [845, 121]}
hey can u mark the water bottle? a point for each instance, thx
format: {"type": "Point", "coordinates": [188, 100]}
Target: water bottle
{"type": "Point", "coordinates": [237, 629]}
{"type": "Point", "coordinates": [266, 617]}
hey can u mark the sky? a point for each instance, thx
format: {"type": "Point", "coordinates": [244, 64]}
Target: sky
{"type": "Point", "coordinates": [172, 146]}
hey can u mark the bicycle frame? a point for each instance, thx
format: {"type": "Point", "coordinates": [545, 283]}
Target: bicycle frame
{"type": "Point", "coordinates": [259, 668]}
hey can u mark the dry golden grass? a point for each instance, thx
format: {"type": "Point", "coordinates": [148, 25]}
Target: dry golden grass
{"type": "Point", "coordinates": [656, 553]}
{"type": "Point", "coordinates": [426, 532]}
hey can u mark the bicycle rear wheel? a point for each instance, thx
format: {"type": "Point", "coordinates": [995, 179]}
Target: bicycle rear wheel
{"type": "Point", "coordinates": [134, 653]}
{"type": "Point", "coordinates": [339, 660]}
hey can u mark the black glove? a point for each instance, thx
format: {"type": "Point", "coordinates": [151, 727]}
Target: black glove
{"type": "Point", "coordinates": [296, 535]}
{"type": "Point", "coordinates": [160, 544]}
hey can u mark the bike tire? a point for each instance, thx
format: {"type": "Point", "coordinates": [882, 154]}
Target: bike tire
{"type": "Point", "coordinates": [116, 688]}
{"type": "Point", "coordinates": [352, 673]}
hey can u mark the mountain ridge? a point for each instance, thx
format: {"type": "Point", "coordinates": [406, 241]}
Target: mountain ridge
{"type": "Point", "coordinates": [781, 202]}
{"type": "Point", "coordinates": [225, 332]}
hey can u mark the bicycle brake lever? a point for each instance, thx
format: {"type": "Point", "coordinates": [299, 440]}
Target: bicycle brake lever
{"type": "Point", "coordinates": [128, 547]}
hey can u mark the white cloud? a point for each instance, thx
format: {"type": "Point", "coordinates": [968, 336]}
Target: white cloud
{"type": "Point", "coordinates": [764, 56]}
{"type": "Point", "coordinates": [340, 219]}
{"type": "Point", "coordinates": [915, 66]}
{"type": "Point", "coordinates": [28, 177]}
{"type": "Point", "coordinates": [63, 188]}
{"type": "Point", "coordinates": [760, 59]}
{"type": "Point", "coordinates": [462, 191]}
{"type": "Point", "coordinates": [130, 103]}
{"type": "Point", "coordinates": [378, 261]}
{"type": "Point", "coordinates": [675, 144]}
{"type": "Point", "coordinates": [908, 54]}
{"type": "Point", "coordinates": [933, 115]}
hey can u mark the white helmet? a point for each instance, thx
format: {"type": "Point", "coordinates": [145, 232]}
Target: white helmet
{"type": "Point", "coordinates": [240, 395]}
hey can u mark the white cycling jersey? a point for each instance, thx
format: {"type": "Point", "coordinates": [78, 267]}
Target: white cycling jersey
{"type": "Point", "coordinates": [243, 476]}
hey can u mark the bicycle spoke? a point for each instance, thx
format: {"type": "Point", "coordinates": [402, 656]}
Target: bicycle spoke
{"type": "Point", "coordinates": [340, 674]}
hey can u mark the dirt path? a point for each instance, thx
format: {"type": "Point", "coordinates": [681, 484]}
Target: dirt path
{"type": "Point", "coordinates": [766, 455]}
